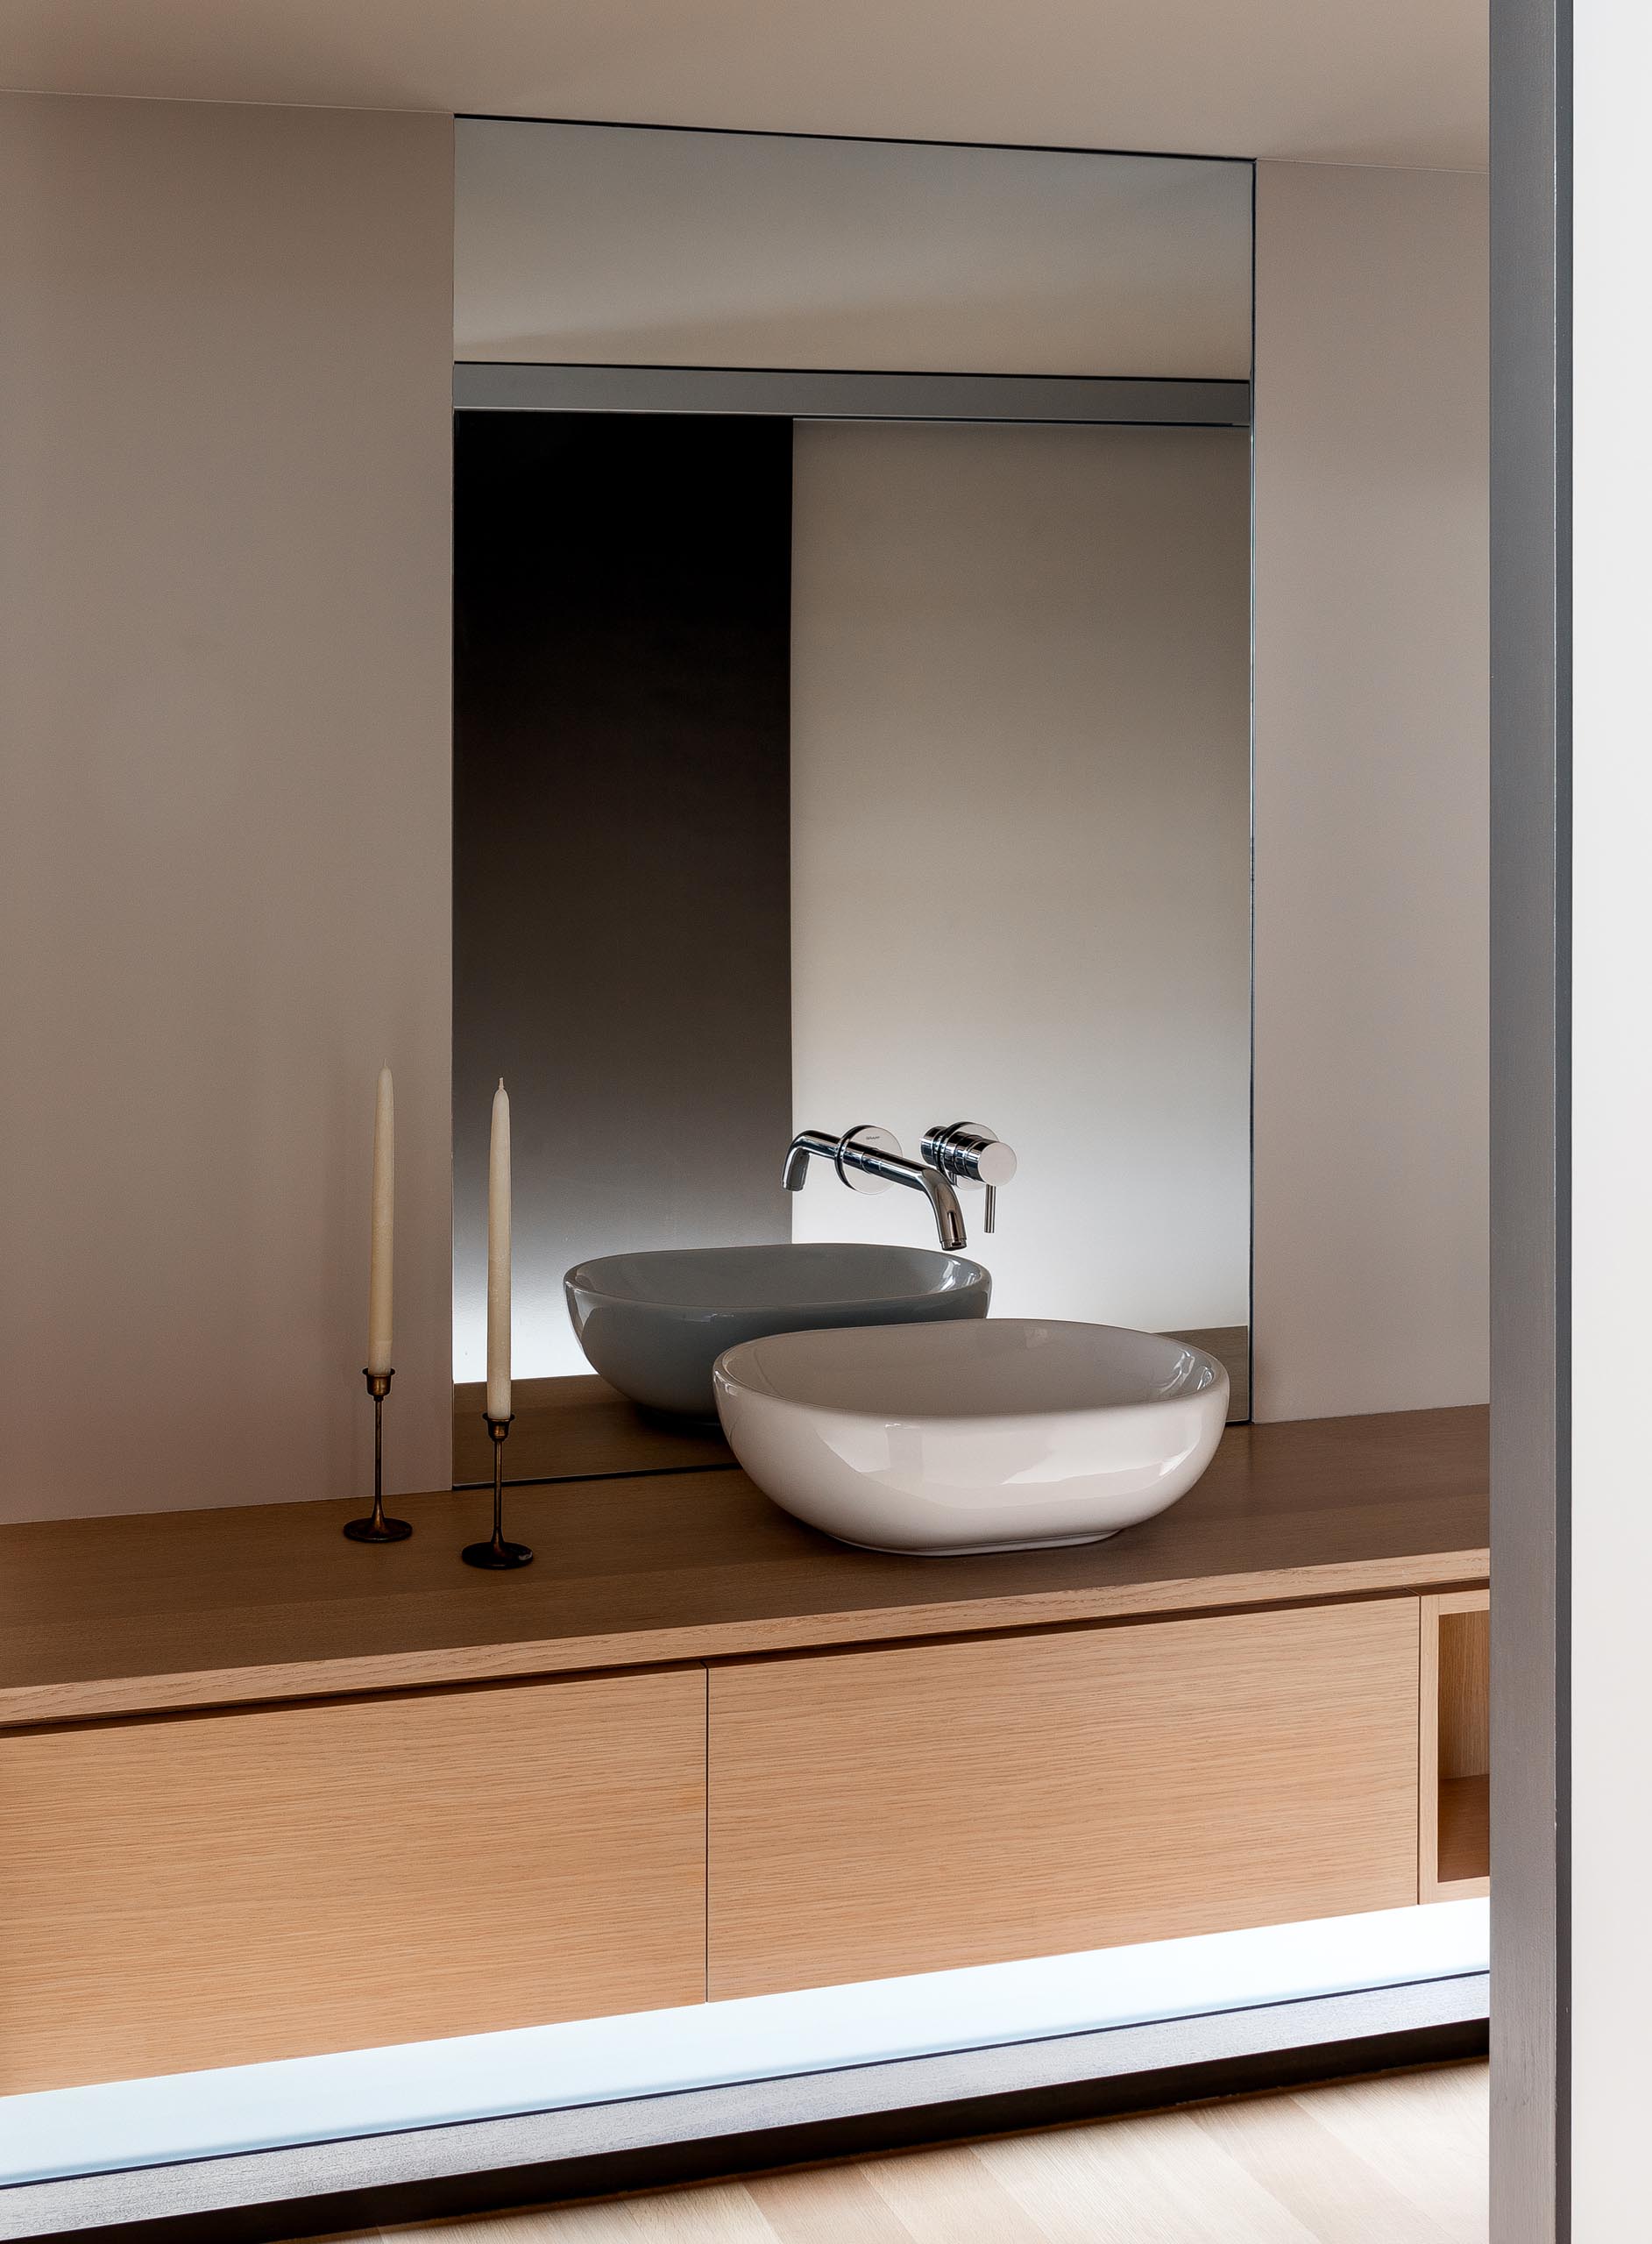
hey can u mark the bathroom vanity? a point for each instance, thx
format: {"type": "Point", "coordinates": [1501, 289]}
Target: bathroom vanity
{"type": "Point", "coordinates": [264, 1791]}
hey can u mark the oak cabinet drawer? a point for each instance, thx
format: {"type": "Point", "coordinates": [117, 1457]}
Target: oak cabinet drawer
{"type": "Point", "coordinates": [226, 1888]}
{"type": "Point", "coordinates": [875, 1813]}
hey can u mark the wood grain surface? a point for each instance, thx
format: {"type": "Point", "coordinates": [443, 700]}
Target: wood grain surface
{"type": "Point", "coordinates": [575, 1428]}
{"type": "Point", "coordinates": [1465, 1685]}
{"type": "Point", "coordinates": [219, 1889]}
{"type": "Point", "coordinates": [1454, 1757]}
{"type": "Point", "coordinates": [875, 1813]}
{"type": "Point", "coordinates": [1464, 1847]}
{"type": "Point", "coordinates": [202, 1608]}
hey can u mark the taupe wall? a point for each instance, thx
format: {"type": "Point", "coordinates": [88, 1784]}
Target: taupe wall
{"type": "Point", "coordinates": [224, 830]}
{"type": "Point", "coordinates": [1370, 1284]}
{"type": "Point", "coordinates": [1020, 844]}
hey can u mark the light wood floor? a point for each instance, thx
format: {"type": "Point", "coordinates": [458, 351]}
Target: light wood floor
{"type": "Point", "coordinates": [1399, 2160]}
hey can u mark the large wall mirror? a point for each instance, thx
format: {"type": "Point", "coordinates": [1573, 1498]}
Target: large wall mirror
{"type": "Point", "coordinates": [852, 697]}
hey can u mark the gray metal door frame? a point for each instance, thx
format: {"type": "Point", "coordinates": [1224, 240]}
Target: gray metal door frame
{"type": "Point", "coordinates": [1531, 1495]}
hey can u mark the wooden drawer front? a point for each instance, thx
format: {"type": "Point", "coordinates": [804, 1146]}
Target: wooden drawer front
{"type": "Point", "coordinates": [219, 1889]}
{"type": "Point", "coordinates": [882, 1812]}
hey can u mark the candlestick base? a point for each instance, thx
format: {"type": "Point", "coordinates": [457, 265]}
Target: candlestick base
{"type": "Point", "coordinates": [497, 1556]}
{"type": "Point", "coordinates": [376, 1527]}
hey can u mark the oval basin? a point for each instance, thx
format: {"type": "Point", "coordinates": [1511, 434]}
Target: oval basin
{"type": "Point", "coordinates": [998, 1436]}
{"type": "Point", "coordinates": [653, 1323]}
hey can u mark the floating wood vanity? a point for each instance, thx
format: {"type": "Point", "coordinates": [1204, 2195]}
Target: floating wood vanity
{"type": "Point", "coordinates": [264, 1791]}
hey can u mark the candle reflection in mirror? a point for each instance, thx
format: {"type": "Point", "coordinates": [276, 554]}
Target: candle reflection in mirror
{"type": "Point", "coordinates": [378, 1371]}
{"type": "Point", "coordinates": [497, 1556]}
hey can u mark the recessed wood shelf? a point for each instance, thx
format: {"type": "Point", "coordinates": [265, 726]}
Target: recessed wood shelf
{"type": "Point", "coordinates": [1464, 1842]}
{"type": "Point", "coordinates": [1454, 1747]}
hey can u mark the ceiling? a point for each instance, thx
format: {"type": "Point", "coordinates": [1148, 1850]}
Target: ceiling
{"type": "Point", "coordinates": [1320, 81]}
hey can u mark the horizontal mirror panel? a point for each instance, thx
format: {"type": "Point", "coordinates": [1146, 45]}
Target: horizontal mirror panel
{"type": "Point", "coordinates": [825, 395]}
{"type": "Point", "coordinates": [642, 247]}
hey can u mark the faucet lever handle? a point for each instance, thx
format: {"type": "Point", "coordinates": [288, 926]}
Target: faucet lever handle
{"type": "Point", "coordinates": [969, 1153]}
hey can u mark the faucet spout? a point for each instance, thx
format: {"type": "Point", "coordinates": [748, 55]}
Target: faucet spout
{"type": "Point", "coordinates": [949, 1217]}
{"type": "Point", "coordinates": [805, 1145]}
{"type": "Point", "coordinates": [865, 1151]}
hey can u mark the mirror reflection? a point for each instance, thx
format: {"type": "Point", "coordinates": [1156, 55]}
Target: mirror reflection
{"type": "Point", "coordinates": [851, 852]}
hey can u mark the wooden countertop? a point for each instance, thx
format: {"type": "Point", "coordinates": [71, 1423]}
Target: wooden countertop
{"type": "Point", "coordinates": [200, 1608]}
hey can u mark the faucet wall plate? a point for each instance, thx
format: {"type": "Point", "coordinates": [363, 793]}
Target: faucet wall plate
{"type": "Point", "coordinates": [874, 1140]}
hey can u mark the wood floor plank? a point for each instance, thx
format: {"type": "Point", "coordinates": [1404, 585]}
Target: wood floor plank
{"type": "Point", "coordinates": [594, 2224]}
{"type": "Point", "coordinates": [952, 2197]}
{"type": "Point", "coordinates": [1426, 2132]}
{"type": "Point", "coordinates": [832, 2205]}
{"type": "Point", "coordinates": [1331, 2189]}
{"type": "Point", "coordinates": [721, 2212]}
{"type": "Point", "coordinates": [1130, 2180]}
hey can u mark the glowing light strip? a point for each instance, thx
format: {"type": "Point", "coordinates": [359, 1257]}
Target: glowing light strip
{"type": "Point", "coordinates": [117, 2125]}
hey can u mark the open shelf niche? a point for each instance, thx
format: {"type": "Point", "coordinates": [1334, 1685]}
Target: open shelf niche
{"type": "Point", "coordinates": [1454, 1764]}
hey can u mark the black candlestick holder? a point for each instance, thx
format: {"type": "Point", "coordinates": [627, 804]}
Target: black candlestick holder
{"type": "Point", "coordinates": [377, 1528]}
{"type": "Point", "coordinates": [498, 1555]}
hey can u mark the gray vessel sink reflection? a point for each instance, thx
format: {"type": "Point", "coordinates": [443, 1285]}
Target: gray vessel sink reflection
{"type": "Point", "coordinates": [653, 1324]}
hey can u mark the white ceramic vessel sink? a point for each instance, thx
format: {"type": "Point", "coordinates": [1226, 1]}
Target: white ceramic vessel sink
{"type": "Point", "coordinates": [1002, 1435]}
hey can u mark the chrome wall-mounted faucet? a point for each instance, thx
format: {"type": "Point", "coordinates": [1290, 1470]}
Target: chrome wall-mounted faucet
{"type": "Point", "coordinates": [967, 1153]}
{"type": "Point", "coordinates": [870, 1160]}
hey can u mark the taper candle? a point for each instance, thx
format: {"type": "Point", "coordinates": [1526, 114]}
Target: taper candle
{"type": "Point", "coordinates": [498, 1259]}
{"type": "Point", "coordinates": [384, 1219]}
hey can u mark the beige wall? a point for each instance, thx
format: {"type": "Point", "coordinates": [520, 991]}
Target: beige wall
{"type": "Point", "coordinates": [1020, 827]}
{"type": "Point", "coordinates": [1371, 790]}
{"type": "Point", "coordinates": [224, 836]}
